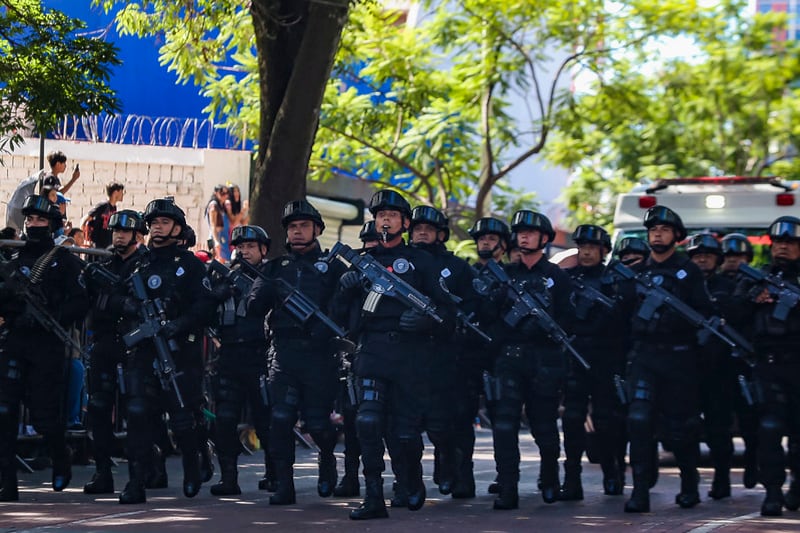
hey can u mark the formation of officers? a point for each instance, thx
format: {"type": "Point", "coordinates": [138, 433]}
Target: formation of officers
{"type": "Point", "coordinates": [404, 337]}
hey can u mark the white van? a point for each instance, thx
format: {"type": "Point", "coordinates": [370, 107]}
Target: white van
{"type": "Point", "coordinates": [719, 205]}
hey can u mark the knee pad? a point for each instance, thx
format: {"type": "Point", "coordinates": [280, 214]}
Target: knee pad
{"type": "Point", "coordinates": [283, 416]}
{"type": "Point", "coordinates": [181, 420]}
{"type": "Point", "coordinates": [641, 391]}
{"type": "Point", "coordinates": [640, 417]}
{"type": "Point", "coordinates": [369, 420]}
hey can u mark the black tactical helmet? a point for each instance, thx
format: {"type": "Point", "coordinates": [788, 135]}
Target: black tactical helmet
{"type": "Point", "coordinates": [242, 234]}
{"type": "Point", "coordinates": [737, 244]}
{"type": "Point", "coordinates": [40, 205]}
{"type": "Point", "coordinates": [527, 219]}
{"type": "Point", "coordinates": [164, 207]}
{"type": "Point", "coordinates": [301, 210]}
{"type": "Point", "coordinates": [368, 232]}
{"type": "Point", "coordinates": [785, 227]}
{"type": "Point", "coordinates": [703, 243]}
{"type": "Point", "coordinates": [632, 245]}
{"type": "Point", "coordinates": [591, 234]}
{"type": "Point", "coordinates": [127, 219]}
{"type": "Point", "coordinates": [389, 199]}
{"type": "Point", "coordinates": [487, 225]}
{"type": "Point", "coordinates": [189, 237]}
{"type": "Point", "coordinates": [661, 214]}
{"type": "Point", "coordinates": [430, 215]}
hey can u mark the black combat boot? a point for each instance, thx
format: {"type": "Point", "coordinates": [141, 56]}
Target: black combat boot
{"type": "Point", "coordinates": [284, 493]}
{"type": "Point", "coordinates": [62, 463]}
{"type": "Point", "coordinates": [464, 485]}
{"type": "Point", "coordinates": [8, 483]}
{"type": "Point", "coordinates": [229, 478]}
{"type": "Point", "coordinates": [750, 475]}
{"type": "Point", "coordinates": [494, 487]}
{"type": "Point", "coordinates": [508, 497]}
{"type": "Point", "coordinates": [400, 484]}
{"type": "Point", "coordinates": [613, 482]}
{"type": "Point", "coordinates": [206, 462]}
{"type": "Point", "coordinates": [416, 486]}
{"type": "Point", "coordinates": [134, 491]}
{"type": "Point", "coordinates": [572, 489]}
{"type": "Point", "coordinates": [654, 464]}
{"type": "Point", "coordinates": [773, 503]}
{"type": "Point", "coordinates": [721, 485]}
{"type": "Point", "coordinates": [326, 483]}
{"type": "Point", "coordinates": [689, 496]}
{"type": "Point", "coordinates": [191, 473]}
{"type": "Point", "coordinates": [640, 496]}
{"type": "Point", "coordinates": [791, 499]}
{"type": "Point", "coordinates": [157, 476]}
{"type": "Point", "coordinates": [548, 472]}
{"type": "Point", "coordinates": [268, 482]}
{"type": "Point", "coordinates": [102, 482]}
{"type": "Point", "coordinates": [373, 505]}
{"type": "Point", "coordinates": [349, 486]}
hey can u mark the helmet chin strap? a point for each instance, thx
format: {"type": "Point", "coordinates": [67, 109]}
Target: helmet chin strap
{"type": "Point", "coordinates": [488, 254]}
{"type": "Point", "coordinates": [386, 236]}
{"type": "Point", "coordinates": [121, 249]}
{"type": "Point", "coordinates": [527, 251]}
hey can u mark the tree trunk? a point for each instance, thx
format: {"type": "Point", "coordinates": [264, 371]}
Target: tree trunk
{"type": "Point", "coordinates": [297, 43]}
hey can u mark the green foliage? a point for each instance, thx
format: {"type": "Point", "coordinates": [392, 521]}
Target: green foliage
{"type": "Point", "coordinates": [729, 111]}
{"type": "Point", "coordinates": [49, 69]}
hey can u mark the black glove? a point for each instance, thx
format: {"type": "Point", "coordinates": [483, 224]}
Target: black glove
{"type": "Point", "coordinates": [412, 320]}
{"type": "Point", "coordinates": [222, 291]}
{"type": "Point", "coordinates": [350, 280]}
{"type": "Point", "coordinates": [171, 329]}
{"type": "Point", "coordinates": [130, 307]}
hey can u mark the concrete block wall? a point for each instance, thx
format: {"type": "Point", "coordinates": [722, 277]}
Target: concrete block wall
{"type": "Point", "coordinates": [148, 172]}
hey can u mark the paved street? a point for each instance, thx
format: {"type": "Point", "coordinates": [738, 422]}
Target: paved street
{"type": "Point", "coordinates": [41, 509]}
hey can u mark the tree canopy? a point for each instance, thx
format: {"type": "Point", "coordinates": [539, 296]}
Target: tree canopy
{"type": "Point", "coordinates": [49, 69]}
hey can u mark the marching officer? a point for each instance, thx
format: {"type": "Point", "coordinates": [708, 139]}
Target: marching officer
{"type": "Point", "coordinates": [717, 370]}
{"type": "Point", "coordinates": [304, 371]}
{"type": "Point", "coordinates": [737, 250]}
{"type": "Point", "coordinates": [594, 318]}
{"type": "Point", "coordinates": [663, 371]}
{"type": "Point", "coordinates": [429, 231]}
{"type": "Point", "coordinates": [390, 361]}
{"type": "Point", "coordinates": [108, 351]}
{"type": "Point", "coordinates": [777, 372]}
{"type": "Point", "coordinates": [241, 377]}
{"type": "Point", "coordinates": [33, 359]}
{"type": "Point", "coordinates": [632, 250]}
{"type": "Point", "coordinates": [530, 367]}
{"type": "Point", "coordinates": [177, 279]}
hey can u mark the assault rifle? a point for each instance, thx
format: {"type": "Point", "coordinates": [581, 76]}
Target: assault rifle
{"type": "Point", "coordinates": [15, 281]}
{"type": "Point", "coordinates": [242, 282]}
{"type": "Point", "coordinates": [656, 297]}
{"type": "Point", "coordinates": [785, 294]}
{"type": "Point", "coordinates": [527, 304]}
{"type": "Point", "coordinates": [154, 318]}
{"type": "Point", "coordinates": [383, 283]}
{"type": "Point", "coordinates": [589, 296]}
{"type": "Point", "coordinates": [300, 306]}
{"type": "Point", "coordinates": [464, 319]}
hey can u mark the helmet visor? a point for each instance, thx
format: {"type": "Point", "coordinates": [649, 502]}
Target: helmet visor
{"type": "Point", "coordinates": [784, 230]}
{"type": "Point", "coordinates": [245, 233]}
{"type": "Point", "coordinates": [734, 246]}
{"type": "Point", "coordinates": [123, 221]}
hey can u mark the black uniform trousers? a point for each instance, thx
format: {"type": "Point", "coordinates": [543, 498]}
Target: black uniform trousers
{"type": "Point", "coordinates": [778, 377]}
{"type": "Point", "coordinates": [107, 352]}
{"type": "Point", "coordinates": [240, 371]}
{"type": "Point", "coordinates": [529, 375]}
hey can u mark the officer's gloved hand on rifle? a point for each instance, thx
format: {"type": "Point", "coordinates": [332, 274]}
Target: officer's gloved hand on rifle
{"type": "Point", "coordinates": [413, 321]}
{"type": "Point", "coordinates": [223, 290]}
{"type": "Point", "coordinates": [350, 280]}
{"type": "Point", "coordinates": [129, 307]}
{"type": "Point", "coordinates": [172, 329]}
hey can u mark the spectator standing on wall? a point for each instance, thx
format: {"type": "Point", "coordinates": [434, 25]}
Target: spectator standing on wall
{"type": "Point", "coordinates": [95, 223]}
{"type": "Point", "coordinates": [219, 225]}
{"type": "Point", "coordinates": [58, 165]}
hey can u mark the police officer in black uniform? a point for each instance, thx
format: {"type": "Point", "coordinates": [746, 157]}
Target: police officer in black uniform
{"type": "Point", "coordinates": [606, 355]}
{"type": "Point", "coordinates": [777, 371]}
{"type": "Point", "coordinates": [663, 370]}
{"type": "Point", "coordinates": [178, 279]}
{"type": "Point", "coordinates": [737, 250]}
{"type": "Point", "coordinates": [390, 361]}
{"type": "Point", "coordinates": [530, 367]}
{"type": "Point", "coordinates": [32, 360]}
{"type": "Point", "coordinates": [631, 250]}
{"type": "Point", "coordinates": [429, 231]}
{"type": "Point", "coordinates": [304, 372]}
{"type": "Point", "coordinates": [108, 352]}
{"type": "Point", "coordinates": [717, 366]}
{"type": "Point", "coordinates": [493, 241]}
{"type": "Point", "coordinates": [347, 403]}
{"type": "Point", "coordinates": [241, 377]}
